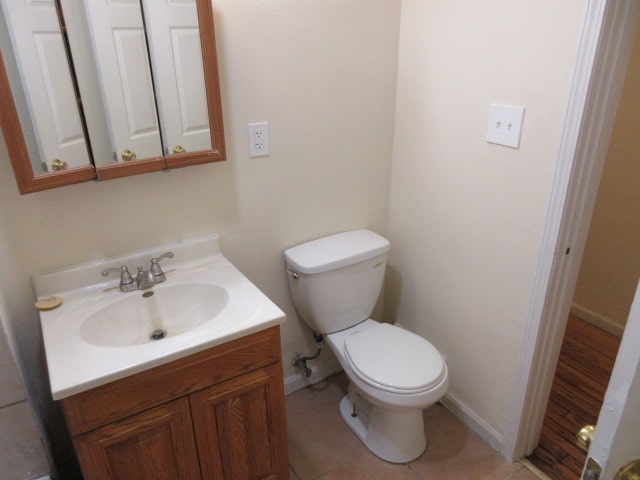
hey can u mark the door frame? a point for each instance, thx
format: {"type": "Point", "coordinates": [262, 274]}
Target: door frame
{"type": "Point", "coordinates": [601, 62]}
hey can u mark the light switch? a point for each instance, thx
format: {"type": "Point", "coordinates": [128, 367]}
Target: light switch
{"type": "Point", "coordinates": [505, 125]}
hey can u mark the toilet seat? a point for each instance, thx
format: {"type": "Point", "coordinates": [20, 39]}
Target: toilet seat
{"type": "Point", "coordinates": [393, 359]}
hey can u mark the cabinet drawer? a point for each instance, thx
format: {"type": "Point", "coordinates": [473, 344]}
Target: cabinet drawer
{"type": "Point", "coordinates": [107, 403]}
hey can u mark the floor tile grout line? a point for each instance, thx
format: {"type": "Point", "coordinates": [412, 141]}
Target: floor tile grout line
{"type": "Point", "coordinates": [335, 466]}
{"type": "Point", "coordinates": [418, 476]}
{"type": "Point", "coordinates": [294, 471]}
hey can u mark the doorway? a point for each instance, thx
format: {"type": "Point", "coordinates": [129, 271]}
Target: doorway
{"type": "Point", "coordinates": [580, 381]}
{"type": "Point", "coordinates": [609, 273]}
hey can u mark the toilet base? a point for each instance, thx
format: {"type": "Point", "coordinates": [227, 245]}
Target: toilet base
{"type": "Point", "coordinates": [396, 437]}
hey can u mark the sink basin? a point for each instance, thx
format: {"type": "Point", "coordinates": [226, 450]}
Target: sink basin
{"type": "Point", "coordinates": [98, 334]}
{"type": "Point", "coordinates": [153, 315]}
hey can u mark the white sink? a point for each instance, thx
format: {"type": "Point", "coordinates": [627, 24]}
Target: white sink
{"type": "Point", "coordinates": [154, 315]}
{"type": "Point", "coordinates": [100, 334]}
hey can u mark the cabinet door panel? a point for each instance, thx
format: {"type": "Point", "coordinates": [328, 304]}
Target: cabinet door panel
{"type": "Point", "coordinates": [240, 427]}
{"type": "Point", "coordinates": [157, 444]}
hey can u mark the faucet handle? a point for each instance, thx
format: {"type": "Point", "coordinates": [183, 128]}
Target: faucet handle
{"type": "Point", "coordinates": [126, 280]}
{"type": "Point", "coordinates": [155, 267]}
{"type": "Point", "coordinates": [140, 274]}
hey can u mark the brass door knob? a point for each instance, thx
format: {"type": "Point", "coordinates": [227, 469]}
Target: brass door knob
{"type": "Point", "coordinates": [57, 165]}
{"type": "Point", "coordinates": [631, 471]}
{"type": "Point", "coordinates": [128, 155]}
{"type": "Point", "coordinates": [179, 149]}
{"type": "Point", "coordinates": [584, 437]}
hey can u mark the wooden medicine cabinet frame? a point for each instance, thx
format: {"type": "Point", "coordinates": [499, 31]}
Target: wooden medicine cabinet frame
{"type": "Point", "coordinates": [29, 182]}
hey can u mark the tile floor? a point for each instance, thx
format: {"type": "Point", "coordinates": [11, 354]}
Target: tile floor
{"type": "Point", "coordinates": [322, 447]}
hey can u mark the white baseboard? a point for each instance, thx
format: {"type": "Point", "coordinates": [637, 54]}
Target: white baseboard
{"type": "Point", "coordinates": [473, 421]}
{"type": "Point", "coordinates": [596, 319]}
{"type": "Point", "coordinates": [46, 477]}
{"type": "Point", "coordinates": [319, 372]}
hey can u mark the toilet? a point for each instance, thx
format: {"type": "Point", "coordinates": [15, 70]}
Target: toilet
{"type": "Point", "coordinates": [393, 374]}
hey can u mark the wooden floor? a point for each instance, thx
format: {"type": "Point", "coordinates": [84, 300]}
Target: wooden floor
{"type": "Point", "coordinates": [586, 360]}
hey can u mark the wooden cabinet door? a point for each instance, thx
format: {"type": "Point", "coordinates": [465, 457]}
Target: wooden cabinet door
{"type": "Point", "coordinates": [156, 444]}
{"type": "Point", "coordinates": [240, 427]}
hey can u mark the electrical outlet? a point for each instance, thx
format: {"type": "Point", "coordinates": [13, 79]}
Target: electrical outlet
{"type": "Point", "coordinates": [258, 139]}
{"type": "Point", "coordinates": [505, 125]}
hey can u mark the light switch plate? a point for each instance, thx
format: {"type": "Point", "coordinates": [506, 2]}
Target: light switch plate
{"type": "Point", "coordinates": [505, 125]}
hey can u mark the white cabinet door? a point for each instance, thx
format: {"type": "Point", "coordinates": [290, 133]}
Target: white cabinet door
{"type": "Point", "coordinates": [45, 74]}
{"type": "Point", "coordinates": [617, 436]}
{"type": "Point", "coordinates": [121, 53]}
{"type": "Point", "coordinates": [174, 37]}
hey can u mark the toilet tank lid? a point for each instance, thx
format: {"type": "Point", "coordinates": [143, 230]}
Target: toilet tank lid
{"type": "Point", "coordinates": [336, 251]}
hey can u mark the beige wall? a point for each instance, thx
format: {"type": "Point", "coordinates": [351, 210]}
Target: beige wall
{"type": "Point", "coordinates": [610, 266]}
{"type": "Point", "coordinates": [466, 216]}
{"type": "Point", "coordinates": [323, 74]}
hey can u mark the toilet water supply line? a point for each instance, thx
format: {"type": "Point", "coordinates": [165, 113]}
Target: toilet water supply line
{"type": "Point", "coordinates": [300, 360]}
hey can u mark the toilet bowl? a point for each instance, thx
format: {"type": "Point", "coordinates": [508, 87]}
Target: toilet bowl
{"type": "Point", "coordinates": [394, 374]}
{"type": "Point", "coordinates": [388, 395]}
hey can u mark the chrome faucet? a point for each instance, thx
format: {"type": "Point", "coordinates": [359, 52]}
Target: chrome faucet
{"type": "Point", "coordinates": [144, 278]}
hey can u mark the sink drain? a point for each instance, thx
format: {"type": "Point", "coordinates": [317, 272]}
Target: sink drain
{"type": "Point", "coordinates": [158, 334]}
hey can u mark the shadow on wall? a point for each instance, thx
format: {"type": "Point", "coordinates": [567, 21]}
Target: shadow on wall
{"type": "Point", "coordinates": [392, 293]}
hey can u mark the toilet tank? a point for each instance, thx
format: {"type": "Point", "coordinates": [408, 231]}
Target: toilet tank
{"type": "Point", "coordinates": [335, 281]}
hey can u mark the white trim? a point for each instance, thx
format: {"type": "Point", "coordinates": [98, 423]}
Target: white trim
{"type": "Point", "coordinates": [46, 477]}
{"type": "Point", "coordinates": [605, 323]}
{"type": "Point", "coordinates": [474, 421]}
{"type": "Point", "coordinates": [608, 31]}
{"type": "Point", "coordinates": [319, 371]}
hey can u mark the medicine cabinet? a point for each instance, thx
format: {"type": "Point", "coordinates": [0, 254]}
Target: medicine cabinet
{"type": "Point", "coordinates": [105, 89]}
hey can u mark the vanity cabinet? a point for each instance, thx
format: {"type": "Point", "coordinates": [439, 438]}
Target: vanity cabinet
{"type": "Point", "coordinates": [217, 414]}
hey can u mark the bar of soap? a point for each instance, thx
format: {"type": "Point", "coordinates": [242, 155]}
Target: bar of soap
{"type": "Point", "coordinates": [47, 303]}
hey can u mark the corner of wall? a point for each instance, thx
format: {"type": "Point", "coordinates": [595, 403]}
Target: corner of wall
{"type": "Point", "coordinates": [319, 372]}
{"type": "Point", "coordinates": [601, 321]}
{"type": "Point", "coordinates": [474, 421]}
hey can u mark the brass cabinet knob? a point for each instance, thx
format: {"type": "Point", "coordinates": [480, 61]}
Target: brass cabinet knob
{"type": "Point", "coordinates": [128, 155]}
{"type": "Point", "coordinates": [584, 437]}
{"type": "Point", "coordinates": [631, 471]}
{"type": "Point", "coordinates": [57, 165]}
{"type": "Point", "coordinates": [179, 149]}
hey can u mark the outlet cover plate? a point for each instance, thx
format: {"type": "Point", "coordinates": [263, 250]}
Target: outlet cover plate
{"type": "Point", "coordinates": [258, 139]}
